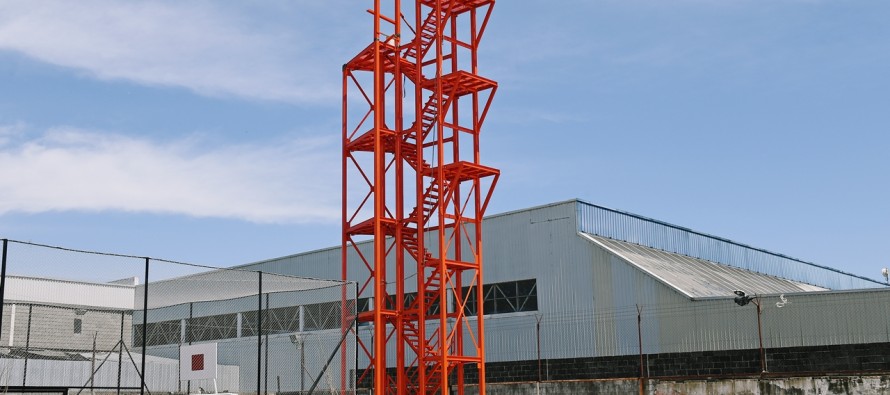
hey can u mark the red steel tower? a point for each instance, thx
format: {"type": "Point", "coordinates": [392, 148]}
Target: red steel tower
{"type": "Point", "coordinates": [415, 191]}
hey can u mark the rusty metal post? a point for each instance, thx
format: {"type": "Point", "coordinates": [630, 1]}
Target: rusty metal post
{"type": "Point", "coordinates": [760, 337]}
{"type": "Point", "coordinates": [640, 337]}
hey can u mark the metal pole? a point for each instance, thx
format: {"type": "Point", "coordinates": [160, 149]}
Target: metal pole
{"type": "Point", "coordinates": [640, 336]}
{"type": "Point", "coordinates": [144, 326]}
{"type": "Point", "coordinates": [3, 282]}
{"type": "Point", "coordinates": [760, 337]}
{"type": "Point", "coordinates": [259, 336]}
{"type": "Point", "coordinates": [331, 358]}
{"type": "Point", "coordinates": [266, 365]}
{"type": "Point", "coordinates": [27, 345]}
{"type": "Point", "coordinates": [354, 328]}
{"type": "Point", "coordinates": [120, 354]}
{"type": "Point", "coordinates": [189, 337]}
{"type": "Point", "coordinates": [538, 335]}
{"type": "Point", "coordinates": [93, 365]}
{"type": "Point", "coordinates": [302, 364]}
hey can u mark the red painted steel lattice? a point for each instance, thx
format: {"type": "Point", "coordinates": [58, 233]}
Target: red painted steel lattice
{"type": "Point", "coordinates": [415, 189]}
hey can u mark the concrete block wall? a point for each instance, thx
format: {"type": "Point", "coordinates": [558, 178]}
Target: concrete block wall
{"type": "Point", "coordinates": [859, 359]}
{"type": "Point", "coordinates": [855, 358]}
{"type": "Point", "coordinates": [847, 385]}
{"type": "Point", "coordinates": [706, 363]}
{"type": "Point", "coordinates": [52, 327]}
{"type": "Point", "coordinates": [872, 357]}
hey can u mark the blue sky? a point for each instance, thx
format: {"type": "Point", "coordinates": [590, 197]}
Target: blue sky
{"type": "Point", "coordinates": [208, 132]}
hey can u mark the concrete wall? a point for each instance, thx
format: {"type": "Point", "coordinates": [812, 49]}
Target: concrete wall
{"type": "Point", "coordinates": [52, 327]}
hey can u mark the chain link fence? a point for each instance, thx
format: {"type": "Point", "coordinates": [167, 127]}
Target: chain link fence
{"type": "Point", "coordinates": [79, 321]}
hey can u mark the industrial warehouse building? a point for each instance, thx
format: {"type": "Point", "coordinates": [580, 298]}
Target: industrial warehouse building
{"type": "Point", "coordinates": [586, 289]}
{"type": "Point", "coordinates": [572, 291]}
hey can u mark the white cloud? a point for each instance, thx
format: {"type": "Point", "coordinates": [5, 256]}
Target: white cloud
{"type": "Point", "coordinates": [518, 114]}
{"type": "Point", "coordinates": [201, 46]}
{"type": "Point", "coordinates": [70, 169]}
{"type": "Point", "coordinates": [10, 132]}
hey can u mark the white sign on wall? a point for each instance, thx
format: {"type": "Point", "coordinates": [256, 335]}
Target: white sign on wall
{"type": "Point", "coordinates": [197, 361]}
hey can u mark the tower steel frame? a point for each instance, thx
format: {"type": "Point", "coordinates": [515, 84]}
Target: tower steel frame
{"type": "Point", "coordinates": [415, 192]}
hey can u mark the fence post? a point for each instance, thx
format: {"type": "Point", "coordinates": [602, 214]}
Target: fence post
{"type": "Point", "coordinates": [640, 339]}
{"type": "Point", "coordinates": [538, 318]}
{"type": "Point", "coordinates": [354, 328]}
{"type": "Point", "coordinates": [144, 327]}
{"type": "Point", "coordinates": [259, 335]}
{"type": "Point", "coordinates": [120, 354]}
{"type": "Point", "coordinates": [27, 345]}
{"type": "Point", "coordinates": [760, 337]}
{"type": "Point", "coordinates": [3, 283]}
{"type": "Point", "coordinates": [266, 364]}
{"type": "Point", "coordinates": [189, 338]}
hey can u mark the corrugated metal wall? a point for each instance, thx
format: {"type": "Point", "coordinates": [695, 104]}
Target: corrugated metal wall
{"type": "Point", "coordinates": [540, 243]}
{"type": "Point", "coordinates": [161, 376]}
{"type": "Point", "coordinates": [283, 367]}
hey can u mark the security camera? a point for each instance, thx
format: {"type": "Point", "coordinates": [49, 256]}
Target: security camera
{"type": "Point", "coordinates": [742, 299]}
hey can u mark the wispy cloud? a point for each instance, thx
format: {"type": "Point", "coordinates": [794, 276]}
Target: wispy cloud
{"type": "Point", "coordinates": [201, 46]}
{"type": "Point", "coordinates": [10, 132]}
{"type": "Point", "coordinates": [543, 115]}
{"type": "Point", "coordinates": [68, 169]}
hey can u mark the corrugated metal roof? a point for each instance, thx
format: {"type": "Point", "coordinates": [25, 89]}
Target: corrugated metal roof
{"type": "Point", "coordinates": [68, 293]}
{"type": "Point", "coordinates": [698, 278]}
{"type": "Point", "coordinates": [633, 228]}
{"type": "Point", "coordinates": [226, 284]}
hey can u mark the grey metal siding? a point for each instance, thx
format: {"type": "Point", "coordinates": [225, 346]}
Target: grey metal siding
{"type": "Point", "coordinates": [541, 243]}
{"type": "Point", "coordinates": [161, 376]}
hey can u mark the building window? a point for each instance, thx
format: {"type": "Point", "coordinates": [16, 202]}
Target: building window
{"type": "Point", "coordinates": [159, 333]}
{"type": "Point", "coordinates": [281, 320]}
{"type": "Point", "coordinates": [78, 325]}
{"type": "Point", "coordinates": [364, 304]}
{"type": "Point", "coordinates": [321, 316]}
{"type": "Point", "coordinates": [502, 298]}
{"type": "Point", "coordinates": [207, 328]}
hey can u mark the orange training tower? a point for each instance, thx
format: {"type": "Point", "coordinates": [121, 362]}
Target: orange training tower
{"type": "Point", "coordinates": [415, 188]}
